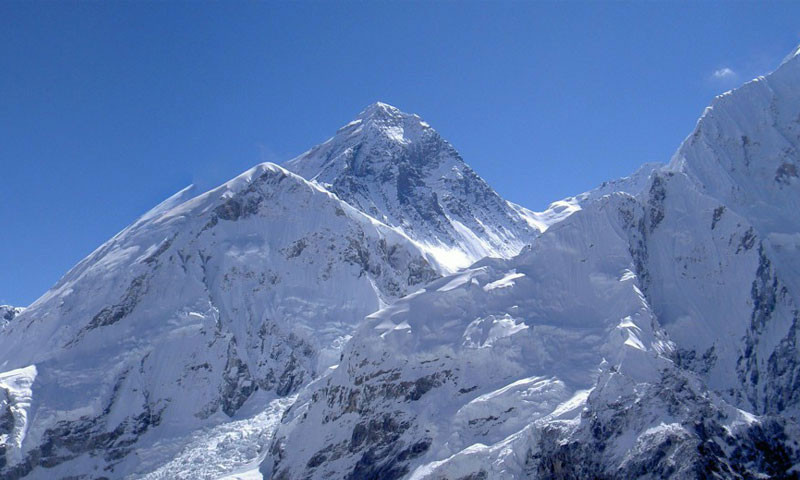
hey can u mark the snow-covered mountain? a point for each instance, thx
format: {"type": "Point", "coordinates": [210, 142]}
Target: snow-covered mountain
{"type": "Point", "coordinates": [185, 315]}
{"type": "Point", "coordinates": [646, 328]}
{"type": "Point", "coordinates": [651, 334]}
{"type": "Point", "coordinates": [209, 308]}
{"type": "Point", "coordinates": [394, 167]}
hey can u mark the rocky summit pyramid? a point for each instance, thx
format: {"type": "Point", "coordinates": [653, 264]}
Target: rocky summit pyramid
{"type": "Point", "coordinates": [394, 167]}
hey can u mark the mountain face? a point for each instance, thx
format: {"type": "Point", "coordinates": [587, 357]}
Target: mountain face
{"type": "Point", "coordinates": [650, 334]}
{"type": "Point", "coordinates": [396, 168]}
{"type": "Point", "coordinates": [210, 309]}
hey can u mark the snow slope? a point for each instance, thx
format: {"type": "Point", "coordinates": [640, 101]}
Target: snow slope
{"type": "Point", "coordinates": [478, 356]}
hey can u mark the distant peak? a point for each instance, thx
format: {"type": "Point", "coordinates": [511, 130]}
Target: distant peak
{"type": "Point", "coordinates": [383, 111]}
{"type": "Point", "coordinates": [381, 120]}
{"type": "Point", "coordinates": [383, 106]}
{"type": "Point", "coordinates": [382, 127]}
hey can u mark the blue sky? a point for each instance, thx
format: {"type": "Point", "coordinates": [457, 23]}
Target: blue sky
{"type": "Point", "coordinates": [107, 109]}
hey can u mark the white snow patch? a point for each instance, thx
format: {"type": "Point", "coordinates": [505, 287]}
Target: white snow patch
{"type": "Point", "coordinates": [505, 282]}
{"type": "Point", "coordinates": [16, 396]}
{"type": "Point", "coordinates": [236, 448]}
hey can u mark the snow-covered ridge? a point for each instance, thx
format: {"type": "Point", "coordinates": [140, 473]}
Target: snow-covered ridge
{"type": "Point", "coordinates": [200, 308]}
{"type": "Point", "coordinates": [651, 333]}
{"type": "Point", "coordinates": [743, 150]}
{"type": "Point", "coordinates": [791, 55]}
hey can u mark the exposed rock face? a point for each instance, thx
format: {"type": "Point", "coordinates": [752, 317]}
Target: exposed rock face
{"type": "Point", "coordinates": [629, 438]}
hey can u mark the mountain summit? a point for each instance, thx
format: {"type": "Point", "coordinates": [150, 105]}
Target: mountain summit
{"type": "Point", "coordinates": [396, 168]}
{"type": "Point", "coordinates": [389, 114]}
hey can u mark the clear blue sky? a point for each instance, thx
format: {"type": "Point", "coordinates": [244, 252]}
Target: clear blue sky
{"type": "Point", "coordinates": [109, 108]}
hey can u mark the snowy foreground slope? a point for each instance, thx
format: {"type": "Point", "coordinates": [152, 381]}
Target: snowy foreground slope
{"type": "Point", "coordinates": [212, 310]}
{"type": "Point", "coordinates": [652, 334]}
